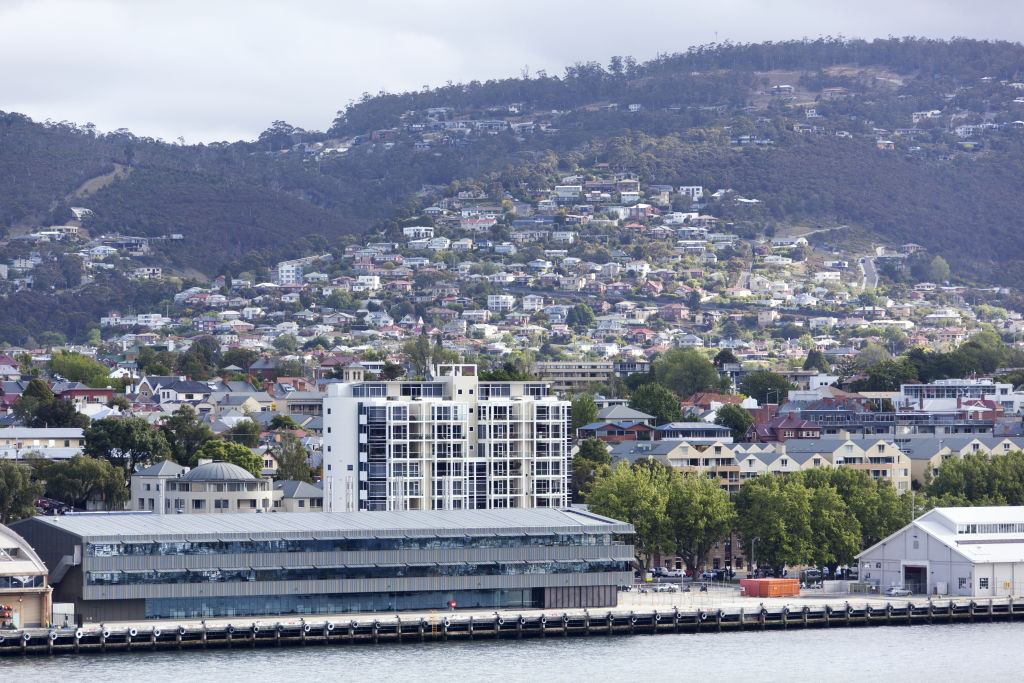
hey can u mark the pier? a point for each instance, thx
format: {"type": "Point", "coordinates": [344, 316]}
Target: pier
{"type": "Point", "coordinates": [440, 627]}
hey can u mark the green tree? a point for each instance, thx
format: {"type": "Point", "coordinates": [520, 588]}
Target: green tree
{"type": "Point", "coordinates": [723, 357]}
{"type": "Point", "coordinates": [580, 317]}
{"type": "Point", "coordinates": [871, 354]}
{"type": "Point", "coordinates": [938, 270]}
{"type": "Point", "coordinates": [816, 361]}
{"type": "Point", "coordinates": [185, 433]}
{"type": "Point", "coordinates": [18, 493]}
{"type": "Point", "coordinates": [687, 371]}
{"type": "Point", "coordinates": [281, 421]}
{"type": "Point", "coordinates": [699, 514]}
{"type": "Point", "coordinates": [287, 343]}
{"type": "Point", "coordinates": [227, 451]}
{"type": "Point", "coordinates": [120, 402]}
{"type": "Point", "coordinates": [59, 412]}
{"type": "Point", "coordinates": [636, 495]}
{"type": "Point", "coordinates": [37, 393]}
{"type": "Point", "coordinates": [835, 532]}
{"type": "Point", "coordinates": [763, 384]}
{"type": "Point", "coordinates": [78, 368]}
{"type": "Point", "coordinates": [245, 432]}
{"type": "Point", "coordinates": [776, 512]}
{"type": "Point", "coordinates": [591, 460]}
{"type": "Point", "coordinates": [81, 478]}
{"type": "Point", "coordinates": [125, 442]}
{"type": "Point", "coordinates": [656, 400]}
{"type": "Point", "coordinates": [735, 417]}
{"type": "Point", "coordinates": [292, 459]}
{"type": "Point", "coordinates": [584, 411]}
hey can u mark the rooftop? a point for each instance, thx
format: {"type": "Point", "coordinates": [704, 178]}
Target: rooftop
{"type": "Point", "coordinates": [330, 524]}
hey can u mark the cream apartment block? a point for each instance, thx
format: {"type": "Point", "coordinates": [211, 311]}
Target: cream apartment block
{"type": "Point", "coordinates": [446, 443]}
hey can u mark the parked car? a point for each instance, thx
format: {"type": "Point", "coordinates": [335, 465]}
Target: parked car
{"type": "Point", "coordinates": [665, 588]}
{"type": "Point", "coordinates": [658, 572]}
{"type": "Point", "coordinates": [898, 591]}
{"type": "Point", "coordinates": [674, 574]}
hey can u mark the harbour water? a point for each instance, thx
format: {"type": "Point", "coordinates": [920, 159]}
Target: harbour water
{"type": "Point", "coordinates": [989, 651]}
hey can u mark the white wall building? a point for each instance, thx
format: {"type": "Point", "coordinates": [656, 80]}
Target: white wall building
{"type": "Point", "coordinates": [960, 551]}
{"type": "Point", "coordinates": [451, 442]}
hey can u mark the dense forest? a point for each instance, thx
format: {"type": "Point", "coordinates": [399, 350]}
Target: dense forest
{"type": "Point", "coordinates": [264, 200]}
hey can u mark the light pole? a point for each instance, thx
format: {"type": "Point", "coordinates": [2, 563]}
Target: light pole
{"type": "Point", "coordinates": [754, 540]}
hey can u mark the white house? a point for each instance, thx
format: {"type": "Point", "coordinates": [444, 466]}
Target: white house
{"type": "Point", "coordinates": [961, 551]}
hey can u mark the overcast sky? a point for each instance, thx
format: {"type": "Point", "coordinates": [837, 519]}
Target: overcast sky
{"type": "Point", "coordinates": [224, 70]}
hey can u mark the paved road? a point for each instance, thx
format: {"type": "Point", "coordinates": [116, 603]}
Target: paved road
{"type": "Point", "coordinates": [867, 267]}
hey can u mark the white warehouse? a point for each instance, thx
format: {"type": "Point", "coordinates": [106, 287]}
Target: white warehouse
{"type": "Point", "coordinates": [959, 551]}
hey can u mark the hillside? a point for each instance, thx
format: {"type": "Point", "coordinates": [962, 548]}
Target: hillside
{"type": "Point", "coordinates": [822, 133]}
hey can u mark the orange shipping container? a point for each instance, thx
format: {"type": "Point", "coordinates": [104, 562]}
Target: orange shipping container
{"type": "Point", "coordinates": [770, 588]}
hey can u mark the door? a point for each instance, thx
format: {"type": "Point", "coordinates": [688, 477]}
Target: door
{"type": "Point", "coordinates": [915, 578]}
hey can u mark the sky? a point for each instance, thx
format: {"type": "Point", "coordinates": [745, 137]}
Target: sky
{"type": "Point", "coordinates": [212, 70]}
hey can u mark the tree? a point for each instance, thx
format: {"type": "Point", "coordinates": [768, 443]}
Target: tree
{"type": "Point", "coordinates": [36, 394]}
{"type": "Point", "coordinates": [763, 384]}
{"type": "Point", "coordinates": [82, 478]}
{"type": "Point", "coordinates": [635, 495]}
{"type": "Point", "coordinates": [418, 354]}
{"type": "Point", "coordinates": [938, 269]}
{"type": "Point", "coordinates": [227, 451]}
{"type": "Point", "coordinates": [584, 411]}
{"type": "Point", "coordinates": [724, 356]}
{"type": "Point", "coordinates": [871, 354]}
{"type": "Point", "coordinates": [245, 432]}
{"type": "Point", "coordinates": [699, 514]}
{"type": "Point", "coordinates": [816, 361]}
{"type": "Point", "coordinates": [292, 459]}
{"type": "Point", "coordinates": [185, 433]}
{"type": "Point", "coordinates": [687, 371]}
{"type": "Point", "coordinates": [835, 533]}
{"type": "Point", "coordinates": [59, 412]}
{"type": "Point", "coordinates": [656, 400]}
{"type": "Point", "coordinates": [125, 442]}
{"type": "Point", "coordinates": [18, 493]}
{"type": "Point", "coordinates": [736, 418]}
{"type": "Point", "coordinates": [580, 317]}
{"type": "Point", "coordinates": [78, 368]}
{"type": "Point", "coordinates": [591, 460]}
{"type": "Point", "coordinates": [120, 402]}
{"type": "Point", "coordinates": [279, 422]}
{"type": "Point", "coordinates": [287, 343]}
{"type": "Point", "coordinates": [777, 513]}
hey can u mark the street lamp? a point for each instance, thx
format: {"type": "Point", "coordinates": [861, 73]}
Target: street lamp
{"type": "Point", "coordinates": [754, 540]}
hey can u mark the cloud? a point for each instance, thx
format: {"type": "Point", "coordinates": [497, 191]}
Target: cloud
{"type": "Point", "coordinates": [226, 70]}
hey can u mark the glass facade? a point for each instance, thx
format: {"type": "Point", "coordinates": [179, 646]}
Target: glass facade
{"type": "Point", "coordinates": [273, 605]}
{"type": "Point", "coordinates": [339, 544]}
{"type": "Point", "coordinates": [234, 575]}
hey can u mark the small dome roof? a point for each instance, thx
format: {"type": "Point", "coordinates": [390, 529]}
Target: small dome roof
{"type": "Point", "coordinates": [218, 470]}
{"type": "Point", "coordinates": [18, 557]}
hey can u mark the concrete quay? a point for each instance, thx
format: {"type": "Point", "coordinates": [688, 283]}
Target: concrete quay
{"type": "Point", "coordinates": [636, 614]}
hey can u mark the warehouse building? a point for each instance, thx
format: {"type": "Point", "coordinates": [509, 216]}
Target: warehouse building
{"type": "Point", "coordinates": [127, 566]}
{"type": "Point", "coordinates": [961, 551]}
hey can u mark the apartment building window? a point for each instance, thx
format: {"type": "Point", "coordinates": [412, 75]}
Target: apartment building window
{"type": "Point", "coordinates": [198, 504]}
{"type": "Point", "coordinates": [221, 504]}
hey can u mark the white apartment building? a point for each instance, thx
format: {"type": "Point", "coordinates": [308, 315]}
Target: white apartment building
{"type": "Point", "coordinates": [288, 273]}
{"type": "Point", "coordinates": [500, 303]}
{"type": "Point", "coordinates": [450, 442]}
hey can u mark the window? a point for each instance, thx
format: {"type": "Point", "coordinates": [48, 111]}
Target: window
{"type": "Point", "coordinates": [198, 504]}
{"type": "Point", "coordinates": [983, 583]}
{"type": "Point", "coordinates": [302, 503]}
{"type": "Point", "coordinates": [962, 583]}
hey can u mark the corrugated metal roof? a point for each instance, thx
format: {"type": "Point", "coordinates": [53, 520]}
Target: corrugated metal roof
{"type": "Point", "coordinates": [329, 524]}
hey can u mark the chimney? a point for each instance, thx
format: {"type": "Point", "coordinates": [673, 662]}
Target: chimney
{"type": "Point", "coordinates": [792, 415]}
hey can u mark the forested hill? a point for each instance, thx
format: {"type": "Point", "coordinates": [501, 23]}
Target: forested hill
{"type": "Point", "coordinates": [903, 139]}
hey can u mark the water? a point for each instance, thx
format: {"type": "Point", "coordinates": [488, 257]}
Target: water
{"type": "Point", "coordinates": [987, 652]}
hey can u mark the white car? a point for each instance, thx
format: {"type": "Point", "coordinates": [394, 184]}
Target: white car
{"type": "Point", "coordinates": [898, 591]}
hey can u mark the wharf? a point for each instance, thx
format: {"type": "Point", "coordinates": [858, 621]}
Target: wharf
{"type": "Point", "coordinates": [625, 619]}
